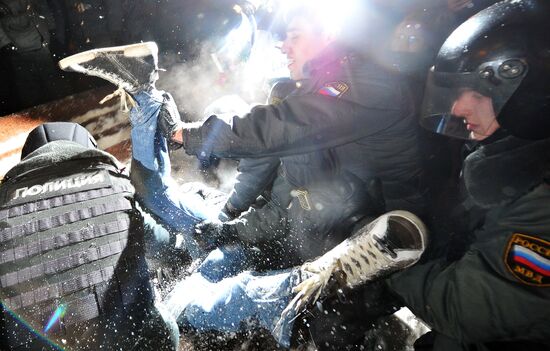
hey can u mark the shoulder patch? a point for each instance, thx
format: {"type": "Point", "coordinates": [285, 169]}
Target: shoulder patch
{"type": "Point", "coordinates": [334, 89]}
{"type": "Point", "coordinates": [528, 259]}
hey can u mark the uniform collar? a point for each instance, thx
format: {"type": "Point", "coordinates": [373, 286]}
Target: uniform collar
{"type": "Point", "coordinates": [498, 173]}
{"type": "Point", "coordinates": [333, 53]}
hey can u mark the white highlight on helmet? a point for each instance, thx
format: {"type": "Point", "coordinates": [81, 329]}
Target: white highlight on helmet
{"type": "Point", "coordinates": [266, 62]}
{"type": "Point", "coordinates": [236, 40]}
{"type": "Point", "coordinates": [461, 36]}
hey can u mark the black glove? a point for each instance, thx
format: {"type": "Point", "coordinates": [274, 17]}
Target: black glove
{"type": "Point", "coordinates": [169, 119]}
{"type": "Point", "coordinates": [209, 234]}
{"type": "Point", "coordinates": [230, 211]}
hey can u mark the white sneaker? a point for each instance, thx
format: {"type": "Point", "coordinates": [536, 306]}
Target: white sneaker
{"type": "Point", "coordinates": [392, 242]}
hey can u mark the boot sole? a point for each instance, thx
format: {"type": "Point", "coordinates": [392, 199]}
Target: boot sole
{"type": "Point", "coordinates": [132, 50]}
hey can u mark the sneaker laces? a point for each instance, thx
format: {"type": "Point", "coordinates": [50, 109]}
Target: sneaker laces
{"type": "Point", "coordinates": [125, 99]}
{"type": "Point", "coordinates": [367, 255]}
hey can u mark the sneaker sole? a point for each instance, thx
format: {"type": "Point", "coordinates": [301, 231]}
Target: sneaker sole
{"type": "Point", "coordinates": [132, 50]}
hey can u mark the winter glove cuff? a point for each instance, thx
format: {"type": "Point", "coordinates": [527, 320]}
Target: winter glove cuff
{"type": "Point", "coordinates": [169, 119]}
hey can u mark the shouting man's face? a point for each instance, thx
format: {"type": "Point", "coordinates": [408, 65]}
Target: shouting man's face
{"type": "Point", "coordinates": [303, 42]}
{"type": "Point", "coordinates": [477, 110]}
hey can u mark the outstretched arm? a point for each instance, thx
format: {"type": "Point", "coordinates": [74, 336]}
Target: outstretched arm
{"type": "Point", "coordinates": [370, 102]}
{"type": "Point", "coordinates": [299, 124]}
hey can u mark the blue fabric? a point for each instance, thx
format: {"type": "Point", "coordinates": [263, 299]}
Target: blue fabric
{"type": "Point", "coordinates": [224, 262]}
{"type": "Point", "coordinates": [151, 174]}
{"type": "Point", "coordinates": [239, 303]}
{"type": "Point", "coordinates": [213, 298]}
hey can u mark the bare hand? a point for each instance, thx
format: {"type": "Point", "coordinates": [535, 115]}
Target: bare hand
{"type": "Point", "coordinates": [177, 137]}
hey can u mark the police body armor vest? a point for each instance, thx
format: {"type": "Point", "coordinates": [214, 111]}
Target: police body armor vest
{"type": "Point", "coordinates": [67, 262]}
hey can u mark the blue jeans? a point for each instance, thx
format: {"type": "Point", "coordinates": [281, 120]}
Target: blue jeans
{"type": "Point", "coordinates": [214, 298]}
{"type": "Point", "coordinates": [151, 174]}
{"type": "Point", "coordinates": [243, 302]}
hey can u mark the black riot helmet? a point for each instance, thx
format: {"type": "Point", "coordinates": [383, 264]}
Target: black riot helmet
{"type": "Point", "coordinates": [53, 131]}
{"type": "Point", "coordinates": [500, 55]}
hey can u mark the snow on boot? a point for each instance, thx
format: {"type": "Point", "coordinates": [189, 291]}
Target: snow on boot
{"type": "Point", "coordinates": [130, 67]}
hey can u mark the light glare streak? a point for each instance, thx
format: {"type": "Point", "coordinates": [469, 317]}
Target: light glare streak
{"type": "Point", "coordinates": [57, 315]}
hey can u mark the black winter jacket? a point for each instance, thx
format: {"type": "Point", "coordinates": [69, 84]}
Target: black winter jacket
{"type": "Point", "coordinates": [351, 115]}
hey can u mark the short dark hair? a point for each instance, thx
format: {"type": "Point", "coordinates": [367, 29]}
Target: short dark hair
{"type": "Point", "coordinates": [305, 11]}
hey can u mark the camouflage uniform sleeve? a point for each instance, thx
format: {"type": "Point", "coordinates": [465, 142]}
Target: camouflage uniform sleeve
{"type": "Point", "coordinates": [489, 294]}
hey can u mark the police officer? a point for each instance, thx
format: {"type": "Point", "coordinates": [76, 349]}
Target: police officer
{"type": "Point", "coordinates": [487, 86]}
{"type": "Point", "coordinates": [73, 247]}
{"type": "Point", "coordinates": [324, 185]}
{"type": "Point", "coordinates": [349, 122]}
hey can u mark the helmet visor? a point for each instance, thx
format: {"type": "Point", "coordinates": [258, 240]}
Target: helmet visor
{"type": "Point", "coordinates": [465, 105]}
{"type": "Point", "coordinates": [236, 46]}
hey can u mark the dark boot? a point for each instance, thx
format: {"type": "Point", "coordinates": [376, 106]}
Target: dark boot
{"type": "Point", "coordinates": [131, 67]}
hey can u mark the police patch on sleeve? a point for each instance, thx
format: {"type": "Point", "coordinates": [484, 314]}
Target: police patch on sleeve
{"type": "Point", "coordinates": [528, 259]}
{"type": "Point", "coordinates": [334, 89]}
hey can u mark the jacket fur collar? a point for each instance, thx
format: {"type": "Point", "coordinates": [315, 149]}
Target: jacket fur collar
{"type": "Point", "coordinates": [499, 173]}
